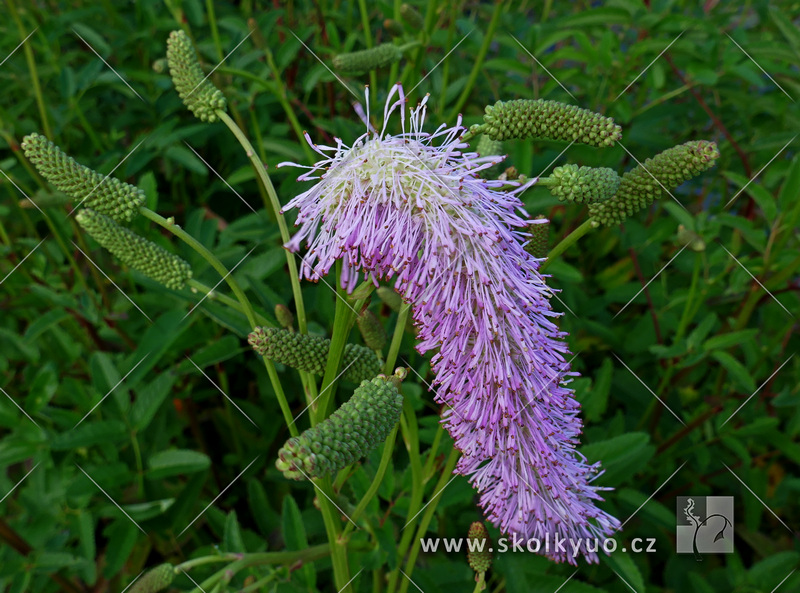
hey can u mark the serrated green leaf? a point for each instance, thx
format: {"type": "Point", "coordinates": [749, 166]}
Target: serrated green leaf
{"type": "Point", "coordinates": [621, 456]}
{"type": "Point", "coordinates": [232, 539]}
{"type": "Point", "coordinates": [150, 398]}
{"type": "Point", "coordinates": [90, 433]}
{"type": "Point", "coordinates": [622, 563]}
{"type": "Point", "coordinates": [260, 509]}
{"type": "Point", "coordinates": [176, 462]}
{"type": "Point", "coordinates": [294, 534]}
{"type": "Point", "coordinates": [737, 370]}
{"type": "Point", "coordinates": [725, 341]}
{"type": "Point", "coordinates": [121, 536]}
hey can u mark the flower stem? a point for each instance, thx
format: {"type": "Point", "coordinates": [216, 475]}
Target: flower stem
{"type": "Point", "coordinates": [308, 383]}
{"type": "Point", "coordinates": [257, 559]}
{"type": "Point", "coordinates": [232, 303]}
{"type": "Point", "coordinates": [478, 63]}
{"type": "Point", "coordinates": [567, 242]}
{"type": "Point", "coordinates": [247, 308]}
{"type": "Point", "coordinates": [365, 24]}
{"type": "Point", "coordinates": [427, 516]}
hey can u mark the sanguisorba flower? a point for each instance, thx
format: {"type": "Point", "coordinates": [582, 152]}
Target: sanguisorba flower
{"type": "Point", "coordinates": [412, 207]}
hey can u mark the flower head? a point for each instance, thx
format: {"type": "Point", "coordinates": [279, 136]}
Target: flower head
{"type": "Point", "coordinates": [411, 207]}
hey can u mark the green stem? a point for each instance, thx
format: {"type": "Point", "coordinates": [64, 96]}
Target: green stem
{"type": "Point", "coordinates": [362, 7]}
{"type": "Point", "coordinates": [280, 92]}
{"type": "Point", "coordinates": [212, 21]}
{"type": "Point", "coordinates": [427, 516]}
{"type": "Point", "coordinates": [397, 338]}
{"type": "Point", "coordinates": [408, 424]}
{"type": "Point", "coordinates": [247, 308]}
{"type": "Point", "coordinates": [478, 64]}
{"type": "Point", "coordinates": [226, 300]}
{"type": "Point", "coordinates": [342, 322]}
{"type": "Point", "coordinates": [686, 316]}
{"type": "Point", "coordinates": [567, 242]}
{"type": "Point", "coordinates": [293, 557]}
{"type": "Point", "coordinates": [437, 439]}
{"type": "Point", "coordinates": [203, 560]}
{"type": "Point", "coordinates": [309, 385]}
{"type": "Point", "coordinates": [388, 446]}
{"type": "Point", "coordinates": [388, 449]}
{"type": "Point", "coordinates": [338, 544]}
{"type": "Point", "coordinates": [29, 58]}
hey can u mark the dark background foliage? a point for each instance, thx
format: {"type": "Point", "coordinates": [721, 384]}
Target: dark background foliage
{"type": "Point", "coordinates": [670, 339]}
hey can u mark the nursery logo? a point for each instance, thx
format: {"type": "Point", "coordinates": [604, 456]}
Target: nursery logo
{"type": "Point", "coordinates": [705, 525]}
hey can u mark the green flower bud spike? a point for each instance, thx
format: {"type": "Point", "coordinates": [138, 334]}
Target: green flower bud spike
{"type": "Point", "coordinates": [639, 187]}
{"type": "Point", "coordinates": [526, 118]}
{"type": "Point", "coordinates": [372, 330]}
{"type": "Point", "coordinates": [134, 251]}
{"type": "Point", "coordinates": [488, 147]}
{"type": "Point", "coordinates": [347, 435]}
{"type": "Point", "coordinates": [412, 17]}
{"type": "Point", "coordinates": [391, 297]}
{"type": "Point", "coordinates": [539, 242]}
{"type": "Point", "coordinates": [106, 195]}
{"type": "Point", "coordinates": [394, 28]}
{"type": "Point", "coordinates": [284, 317]}
{"type": "Point", "coordinates": [155, 580]}
{"type": "Point", "coordinates": [582, 184]}
{"type": "Point", "coordinates": [478, 555]}
{"type": "Point", "coordinates": [198, 93]}
{"type": "Point", "coordinates": [310, 353]}
{"type": "Point", "coordinates": [365, 60]}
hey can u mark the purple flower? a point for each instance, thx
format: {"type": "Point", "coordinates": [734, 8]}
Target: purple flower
{"type": "Point", "coordinates": [411, 207]}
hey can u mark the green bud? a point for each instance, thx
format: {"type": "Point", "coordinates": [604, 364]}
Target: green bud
{"type": "Point", "coordinates": [310, 353]}
{"type": "Point", "coordinates": [391, 297]}
{"type": "Point", "coordinates": [639, 187]}
{"type": "Point", "coordinates": [106, 195]}
{"type": "Point", "coordinates": [526, 118]}
{"type": "Point", "coordinates": [583, 184]}
{"type": "Point", "coordinates": [690, 238]}
{"type": "Point", "coordinates": [154, 580]}
{"type": "Point", "coordinates": [412, 17]}
{"type": "Point", "coordinates": [367, 59]}
{"type": "Point", "coordinates": [198, 93]}
{"type": "Point", "coordinates": [347, 435]}
{"type": "Point", "coordinates": [479, 558]}
{"type": "Point", "coordinates": [372, 330]}
{"type": "Point", "coordinates": [392, 27]}
{"type": "Point", "coordinates": [134, 251]}
{"type": "Point", "coordinates": [284, 316]}
{"type": "Point", "coordinates": [488, 147]}
{"type": "Point", "coordinates": [539, 242]}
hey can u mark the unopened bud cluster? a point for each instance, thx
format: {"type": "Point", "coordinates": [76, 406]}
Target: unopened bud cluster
{"type": "Point", "coordinates": [310, 353]}
{"type": "Point", "coordinates": [347, 435]}
{"type": "Point", "coordinates": [479, 557]}
{"type": "Point", "coordinates": [106, 195]}
{"type": "Point", "coordinates": [367, 59]}
{"type": "Point", "coordinates": [639, 187]}
{"type": "Point", "coordinates": [372, 330]}
{"type": "Point", "coordinates": [154, 580]}
{"type": "Point", "coordinates": [135, 251]}
{"type": "Point", "coordinates": [526, 118]}
{"type": "Point", "coordinates": [198, 93]}
{"type": "Point", "coordinates": [539, 241]}
{"type": "Point", "coordinates": [583, 184]}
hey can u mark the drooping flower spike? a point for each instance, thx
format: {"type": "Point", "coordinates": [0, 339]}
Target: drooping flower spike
{"type": "Point", "coordinates": [309, 353]}
{"type": "Point", "coordinates": [135, 251]}
{"type": "Point", "coordinates": [412, 208]}
{"type": "Point", "coordinates": [647, 182]}
{"type": "Point", "coordinates": [102, 193]}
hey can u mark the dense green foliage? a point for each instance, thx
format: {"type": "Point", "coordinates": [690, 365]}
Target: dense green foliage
{"type": "Point", "coordinates": [683, 320]}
